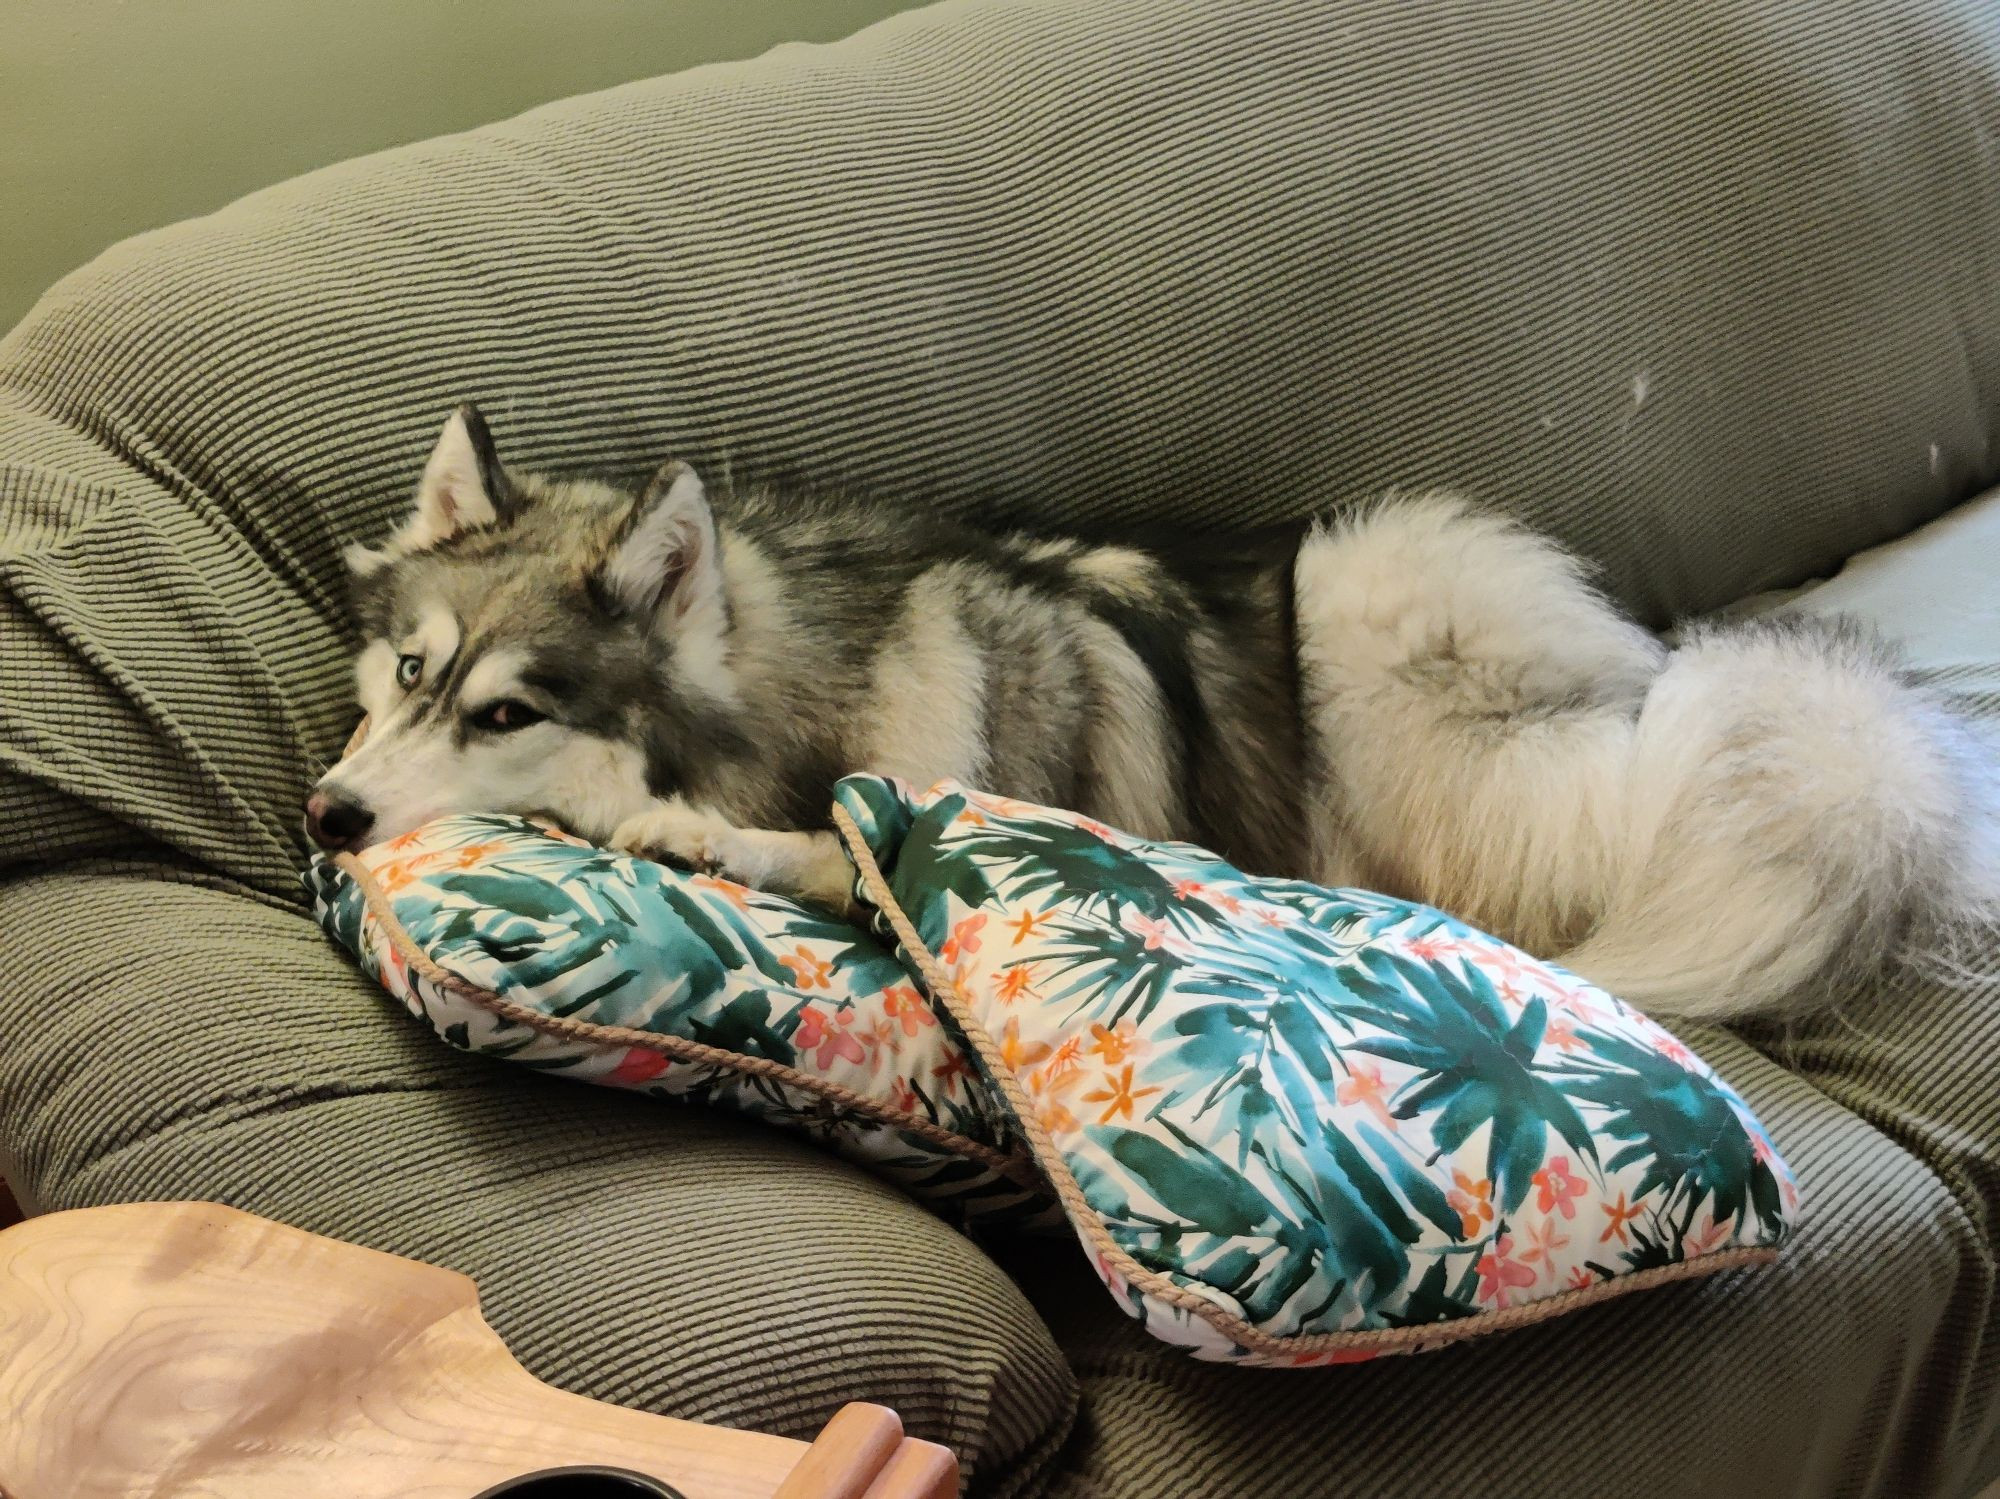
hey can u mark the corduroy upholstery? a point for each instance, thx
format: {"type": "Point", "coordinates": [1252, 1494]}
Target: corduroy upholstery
{"type": "Point", "coordinates": [1713, 292]}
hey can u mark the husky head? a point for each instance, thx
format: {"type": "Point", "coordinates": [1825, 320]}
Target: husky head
{"type": "Point", "coordinates": [533, 646]}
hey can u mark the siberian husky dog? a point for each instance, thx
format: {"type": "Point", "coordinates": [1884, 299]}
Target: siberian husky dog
{"type": "Point", "coordinates": [1420, 697]}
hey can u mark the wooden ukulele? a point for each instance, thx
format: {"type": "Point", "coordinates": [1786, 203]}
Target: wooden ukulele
{"type": "Point", "coordinates": [192, 1350]}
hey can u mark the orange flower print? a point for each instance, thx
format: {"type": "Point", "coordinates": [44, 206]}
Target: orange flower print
{"type": "Point", "coordinates": [1364, 1086]}
{"type": "Point", "coordinates": [830, 1033]}
{"type": "Point", "coordinates": [808, 972]}
{"type": "Point", "coordinates": [1620, 1214]}
{"type": "Point", "coordinates": [404, 840]}
{"type": "Point", "coordinates": [473, 853]}
{"type": "Point", "coordinates": [903, 1097]}
{"type": "Point", "coordinates": [969, 815]}
{"type": "Point", "coordinates": [1557, 1189]}
{"type": "Point", "coordinates": [1066, 1057]}
{"type": "Point", "coordinates": [1228, 904]}
{"type": "Point", "coordinates": [1427, 949]}
{"type": "Point", "coordinates": [1472, 1201]}
{"type": "Point", "coordinates": [1189, 889]}
{"type": "Point", "coordinates": [1499, 1270]}
{"type": "Point", "coordinates": [1115, 1044]}
{"type": "Point", "coordinates": [1118, 1096]}
{"type": "Point", "coordinates": [964, 938]}
{"type": "Point", "coordinates": [1026, 923]}
{"type": "Point", "coordinates": [1095, 829]}
{"type": "Point", "coordinates": [1017, 1055]}
{"type": "Point", "coordinates": [1543, 1244]}
{"type": "Point", "coordinates": [1056, 1117]}
{"type": "Point", "coordinates": [638, 1065]}
{"type": "Point", "coordinates": [1581, 1279]}
{"type": "Point", "coordinates": [394, 876]}
{"type": "Point", "coordinates": [1013, 984]}
{"type": "Point", "coordinates": [737, 895]}
{"type": "Point", "coordinates": [906, 1007]}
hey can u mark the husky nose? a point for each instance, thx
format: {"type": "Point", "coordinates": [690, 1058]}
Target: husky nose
{"type": "Point", "coordinates": [334, 822]}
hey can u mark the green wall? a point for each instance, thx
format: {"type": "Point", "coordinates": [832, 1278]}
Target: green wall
{"type": "Point", "coordinates": [121, 115]}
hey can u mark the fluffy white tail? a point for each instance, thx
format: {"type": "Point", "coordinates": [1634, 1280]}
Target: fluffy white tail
{"type": "Point", "coordinates": [1800, 818]}
{"type": "Point", "coordinates": [1761, 821]}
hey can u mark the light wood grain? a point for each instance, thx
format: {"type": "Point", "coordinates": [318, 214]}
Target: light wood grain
{"type": "Point", "coordinates": [193, 1350]}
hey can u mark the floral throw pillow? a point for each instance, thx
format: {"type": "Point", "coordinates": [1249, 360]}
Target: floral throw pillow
{"type": "Point", "coordinates": [1298, 1126]}
{"type": "Point", "coordinates": [515, 940]}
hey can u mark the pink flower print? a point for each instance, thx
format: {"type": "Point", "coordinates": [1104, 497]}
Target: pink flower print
{"type": "Point", "coordinates": [964, 938]}
{"type": "Point", "coordinates": [830, 1033]}
{"type": "Point", "coordinates": [1227, 904]}
{"type": "Point", "coordinates": [1156, 932]}
{"type": "Point", "coordinates": [1188, 889]}
{"type": "Point", "coordinates": [1364, 1086]}
{"type": "Point", "coordinates": [1506, 962]}
{"type": "Point", "coordinates": [1557, 1188]}
{"type": "Point", "coordinates": [1427, 949]}
{"type": "Point", "coordinates": [1710, 1237]}
{"type": "Point", "coordinates": [903, 1097]}
{"type": "Point", "coordinates": [878, 1038]}
{"type": "Point", "coordinates": [906, 1007]}
{"type": "Point", "coordinates": [1543, 1243]}
{"type": "Point", "coordinates": [637, 1066]}
{"type": "Point", "coordinates": [1095, 829]}
{"type": "Point", "coordinates": [1499, 1270]}
{"type": "Point", "coordinates": [1561, 1037]}
{"type": "Point", "coordinates": [808, 971]}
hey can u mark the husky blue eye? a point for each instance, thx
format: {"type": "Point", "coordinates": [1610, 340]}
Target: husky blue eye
{"type": "Point", "coordinates": [507, 716]}
{"type": "Point", "coordinates": [408, 669]}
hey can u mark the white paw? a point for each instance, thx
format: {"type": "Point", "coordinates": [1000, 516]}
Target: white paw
{"type": "Point", "coordinates": [677, 835]}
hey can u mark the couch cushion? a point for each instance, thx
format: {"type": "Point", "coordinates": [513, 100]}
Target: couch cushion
{"type": "Point", "coordinates": [170, 1041]}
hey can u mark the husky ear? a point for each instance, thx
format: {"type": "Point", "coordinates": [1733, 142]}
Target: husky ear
{"type": "Point", "coordinates": [463, 487]}
{"type": "Point", "coordinates": [667, 563]}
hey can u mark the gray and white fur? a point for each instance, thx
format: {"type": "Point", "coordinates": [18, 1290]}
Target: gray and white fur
{"type": "Point", "coordinates": [1421, 697]}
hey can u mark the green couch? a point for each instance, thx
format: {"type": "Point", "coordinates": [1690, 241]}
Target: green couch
{"type": "Point", "coordinates": [1713, 292]}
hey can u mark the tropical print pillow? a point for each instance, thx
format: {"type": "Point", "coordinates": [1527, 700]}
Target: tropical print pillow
{"type": "Point", "coordinates": [515, 940]}
{"type": "Point", "coordinates": [1298, 1126]}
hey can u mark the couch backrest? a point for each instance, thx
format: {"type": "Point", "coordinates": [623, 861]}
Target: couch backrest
{"type": "Point", "coordinates": [1711, 290]}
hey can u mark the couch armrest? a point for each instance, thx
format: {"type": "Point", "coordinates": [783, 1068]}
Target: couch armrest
{"type": "Point", "coordinates": [161, 1040]}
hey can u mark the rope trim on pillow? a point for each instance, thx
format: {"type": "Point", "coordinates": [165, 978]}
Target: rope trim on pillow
{"type": "Point", "coordinates": [1019, 1169]}
{"type": "Point", "coordinates": [945, 992]}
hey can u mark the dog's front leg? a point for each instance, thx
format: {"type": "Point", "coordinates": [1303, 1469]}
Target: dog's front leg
{"type": "Point", "coordinates": [808, 866]}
